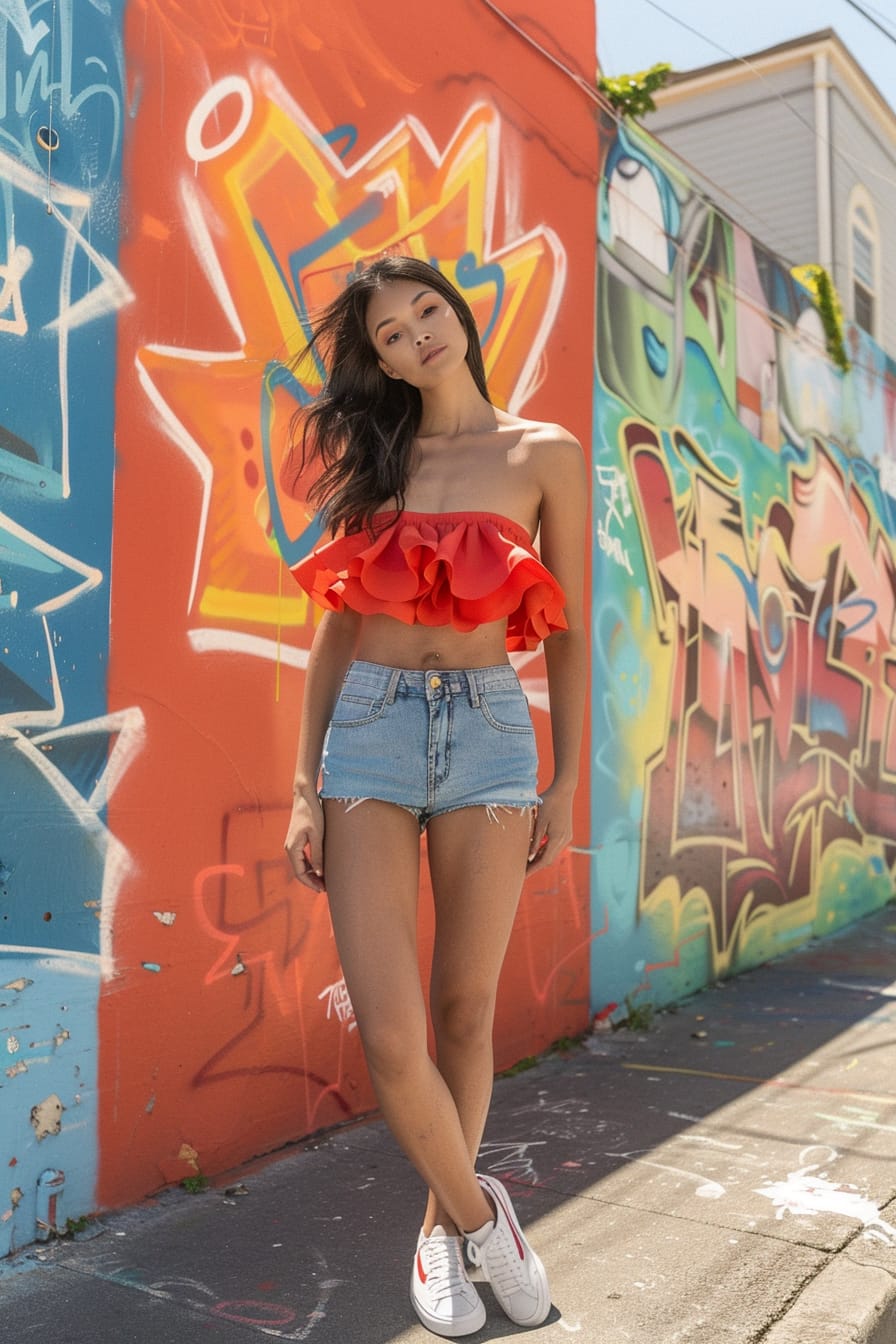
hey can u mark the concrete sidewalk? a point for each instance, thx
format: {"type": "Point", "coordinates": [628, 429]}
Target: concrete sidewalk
{"type": "Point", "coordinates": [726, 1178]}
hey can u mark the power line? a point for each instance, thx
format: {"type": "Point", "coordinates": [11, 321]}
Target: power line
{"type": "Point", "coordinates": [754, 69]}
{"type": "Point", "coordinates": [879, 26]}
{"type": "Point", "coordinates": [595, 96]}
{"type": "Point", "coordinates": [592, 92]}
{"type": "Point", "coordinates": [881, 14]}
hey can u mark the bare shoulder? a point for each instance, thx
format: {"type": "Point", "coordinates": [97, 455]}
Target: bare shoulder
{"type": "Point", "coordinates": [548, 447]}
{"type": "Point", "coordinates": [543, 432]}
{"type": "Point", "coordinates": [557, 458]}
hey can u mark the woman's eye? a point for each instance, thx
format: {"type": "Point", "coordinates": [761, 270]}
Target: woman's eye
{"type": "Point", "coordinates": [430, 308]}
{"type": "Point", "coordinates": [394, 337]}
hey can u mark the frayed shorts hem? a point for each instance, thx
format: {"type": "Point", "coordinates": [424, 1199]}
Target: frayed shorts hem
{"type": "Point", "coordinates": [424, 817]}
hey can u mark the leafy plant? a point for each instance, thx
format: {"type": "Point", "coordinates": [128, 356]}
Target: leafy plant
{"type": "Point", "coordinates": [564, 1045]}
{"type": "Point", "coordinates": [73, 1225]}
{"type": "Point", "coordinates": [640, 1015]}
{"type": "Point", "coordinates": [528, 1062]}
{"type": "Point", "coordinates": [831, 317]}
{"type": "Point", "coordinates": [194, 1185]}
{"type": "Point", "coordinates": [633, 94]}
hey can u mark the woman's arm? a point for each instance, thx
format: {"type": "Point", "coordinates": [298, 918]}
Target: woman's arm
{"type": "Point", "coordinates": [564, 510]}
{"type": "Point", "coordinates": [331, 653]}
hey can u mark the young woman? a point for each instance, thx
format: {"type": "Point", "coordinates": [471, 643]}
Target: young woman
{"type": "Point", "coordinates": [413, 718]}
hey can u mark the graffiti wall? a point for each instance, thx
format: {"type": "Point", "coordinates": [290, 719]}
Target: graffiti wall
{"type": "Point", "coordinates": [181, 186]}
{"type": "Point", "coordinates": [62, 748]}
{"type": "Point", "coordinates": [744, 579]}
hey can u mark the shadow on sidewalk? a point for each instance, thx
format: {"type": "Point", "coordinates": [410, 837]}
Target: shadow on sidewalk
{"type": "Point", "coordinates": [692, 1178]}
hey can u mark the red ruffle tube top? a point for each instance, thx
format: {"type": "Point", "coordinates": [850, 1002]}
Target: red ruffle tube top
{"type": "Point", "coordinates": [459, 569]}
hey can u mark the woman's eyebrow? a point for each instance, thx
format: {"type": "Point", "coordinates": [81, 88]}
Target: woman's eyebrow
{"type": "Point", "coordinates": [386, 320]}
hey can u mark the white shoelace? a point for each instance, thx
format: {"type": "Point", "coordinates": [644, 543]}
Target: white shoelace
{"type": "Point", "coordinates": [506, 1272]}
{"type": "Point", "coordinates": [445, 1271]}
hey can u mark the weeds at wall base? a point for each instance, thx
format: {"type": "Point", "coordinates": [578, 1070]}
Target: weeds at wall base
{"type": "Point", "coordinates": [194, 1185]}
{"type": "Point", "coordinates": [564, 1045]}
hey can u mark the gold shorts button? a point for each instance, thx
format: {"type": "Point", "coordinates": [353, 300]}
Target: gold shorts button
{"type": "Point", "coordinates": [435, 682]}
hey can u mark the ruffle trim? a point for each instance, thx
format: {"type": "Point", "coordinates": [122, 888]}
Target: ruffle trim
{"type": "Point", "coordinates": [457, 569]}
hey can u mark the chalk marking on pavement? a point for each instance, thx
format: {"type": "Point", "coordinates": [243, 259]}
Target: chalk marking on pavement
{"type": "Point", "coordinates": [881, 991]}
{"type": "Point", "coordinates": [125, 1277]}
{"type": "Point", "coordinates": [708, 1189]}
{"type": "Point", "coordinates": [846, 1123]}
{"type": "Point", "coordinates": [785, 1083]}
{"type": "Point", "coordinates": [705, 1138]}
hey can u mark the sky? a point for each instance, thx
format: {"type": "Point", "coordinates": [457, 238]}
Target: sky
{"type": "Point", "coordinates": [634, 34]}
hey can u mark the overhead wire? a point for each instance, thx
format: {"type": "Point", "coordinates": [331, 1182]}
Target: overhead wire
{"type": "Point", "coordinates": [881, 14]}
{"type": "Point", "coordinates": [600, 100]}
{"type": "Point", "coordinates": [751, 65]}
{"type": "Point", "coordinates": [887, 32]}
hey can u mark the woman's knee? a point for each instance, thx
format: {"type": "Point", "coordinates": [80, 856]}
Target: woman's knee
{"type": "Point", "coordinates": [463, 1018]}
{"type": "Point", "coordinates": [392, 1050]}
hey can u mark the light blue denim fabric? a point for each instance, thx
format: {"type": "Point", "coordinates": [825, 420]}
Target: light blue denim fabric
{"type": "Point", "coordinates": [431, 741]}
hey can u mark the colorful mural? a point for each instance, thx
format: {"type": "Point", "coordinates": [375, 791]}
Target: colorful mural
{"type": "Point", "coordinates": [744, 580]}
{"type": "Point", "coordinates": [293, 151]}
{"type": "Point", "coordinates": [62, 750]}
{"type": "Point", "coordinates": [180, 187]}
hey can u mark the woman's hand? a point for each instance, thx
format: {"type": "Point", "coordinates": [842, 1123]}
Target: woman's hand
{"type": "Point", "coordinates": [552, 828]}
{"type": "Point", "coordinates": [305, 840]}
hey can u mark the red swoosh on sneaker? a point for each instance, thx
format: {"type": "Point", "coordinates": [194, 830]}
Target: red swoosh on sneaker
{"type": "Point", "coordinates": [420, 1269]}
{"type": "Point", "coordinates": [519, 1244]}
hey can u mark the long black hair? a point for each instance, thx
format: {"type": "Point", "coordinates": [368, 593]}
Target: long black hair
{"type": "Point", "coordinates": [362, 425]}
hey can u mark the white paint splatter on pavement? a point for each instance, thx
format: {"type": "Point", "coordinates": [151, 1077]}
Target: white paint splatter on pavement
{"type": "Point", "coordinates": [808, 1191]}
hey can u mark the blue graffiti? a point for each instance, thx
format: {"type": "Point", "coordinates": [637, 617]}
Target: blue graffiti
{"type": "Point", "coordinates": [343, 138]}
{"type": "Point", "coordinates": [469, 275]}
{"type": "Point", "coordinates": [61, 99]}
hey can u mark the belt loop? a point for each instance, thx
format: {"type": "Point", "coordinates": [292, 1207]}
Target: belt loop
{"type": "Point", "coordinates": [393, 685]}
{"type": "Point", "coordinates": [472, 688]}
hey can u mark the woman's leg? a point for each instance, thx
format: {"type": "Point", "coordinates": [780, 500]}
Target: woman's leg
{"type": "Point", "coordinates": [477, 859]}
{"type": "Point", "coordinates": [371, 863]}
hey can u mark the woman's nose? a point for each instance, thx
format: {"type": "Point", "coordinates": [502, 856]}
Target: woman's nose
{"type": "Point", "coordinates": [423, 336]}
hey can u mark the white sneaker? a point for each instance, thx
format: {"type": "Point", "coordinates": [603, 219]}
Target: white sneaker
{"type": "Point", "coordinates": [441, 1292]}
{"type": "Point", "coordinates": [516, 1274]}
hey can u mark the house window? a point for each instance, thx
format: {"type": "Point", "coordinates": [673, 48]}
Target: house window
{"type": "Point", "coordinates": [864, 262]}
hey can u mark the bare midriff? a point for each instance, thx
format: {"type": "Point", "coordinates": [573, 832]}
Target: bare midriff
{"type": "Point", "coordinates": [383, 639]}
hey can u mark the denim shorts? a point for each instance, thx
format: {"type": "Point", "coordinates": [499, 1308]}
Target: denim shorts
{"type": "Point", "coordinates": [431, 741]}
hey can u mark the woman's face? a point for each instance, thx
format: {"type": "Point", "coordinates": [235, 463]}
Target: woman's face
{"type": "Point", "coordinates": [416, 334]}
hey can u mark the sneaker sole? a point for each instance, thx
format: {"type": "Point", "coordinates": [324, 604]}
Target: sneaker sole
{"type": "Point", "coordinates": [449, 1329]}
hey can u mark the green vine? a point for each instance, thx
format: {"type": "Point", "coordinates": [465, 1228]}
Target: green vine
{"type": "Point", "coordinates": [829, 310]}
{"type": "Point", "coordinates": [633, 94]}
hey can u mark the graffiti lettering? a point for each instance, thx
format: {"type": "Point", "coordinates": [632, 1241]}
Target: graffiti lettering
{"type": "Point", "coordinates": [759, 750]}
{"type": "Point", "coordinates": [209, 106]}
{"type": "Point", "coordinates": [11, 275]}
{"type": "Point", "coordinates": [81, 49]}
{"type": "Point", "coordinates": [615, 496]}
{"type": "Point", "coordinates": [339, 1003]}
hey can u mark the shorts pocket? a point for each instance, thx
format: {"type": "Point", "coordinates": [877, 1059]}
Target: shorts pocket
{"type": "Point", "coordinates": [357, 706]}
{"type": "Point", "coordinates": [508, 711]}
